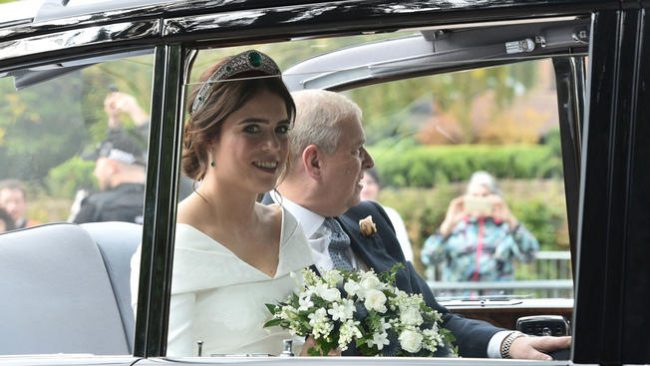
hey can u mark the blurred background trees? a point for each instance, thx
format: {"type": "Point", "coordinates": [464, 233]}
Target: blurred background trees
{"type": "Point", "coordinates": [427, 134]}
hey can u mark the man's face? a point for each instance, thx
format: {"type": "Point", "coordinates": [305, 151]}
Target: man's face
{"type": "Point", "coordinates": [342, 171]}
{"type": "Point", "coordinates": [103, 172]}
{"type": "Point", "coordinates": [13, 201]}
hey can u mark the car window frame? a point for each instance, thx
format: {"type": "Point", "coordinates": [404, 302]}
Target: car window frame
{"type": "Point", "coordinates": [606, 56]}
{"type": "Point", "coordinates": [158, 346]}
{"type": "Point", "coordinates": [581, 351]}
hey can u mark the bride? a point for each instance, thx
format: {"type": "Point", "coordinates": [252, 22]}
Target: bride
{"type": "Point", "coordinates": [232, 254]}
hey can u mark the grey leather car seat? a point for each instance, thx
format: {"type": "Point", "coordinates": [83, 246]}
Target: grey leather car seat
{"type": "Point", "coordinates": [118, 242]}
{"type": "Point", "coordinates": [57, 296]}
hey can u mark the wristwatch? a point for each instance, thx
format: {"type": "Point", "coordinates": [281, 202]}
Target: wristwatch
{"type": "Point", "coordinates": [507, 342]}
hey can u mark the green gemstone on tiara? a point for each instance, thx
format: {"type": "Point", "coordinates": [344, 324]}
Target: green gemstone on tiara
{"type": "Point", "coordinates": [238, 64]}
{"type": "Point", "coordinates": [255, 59]}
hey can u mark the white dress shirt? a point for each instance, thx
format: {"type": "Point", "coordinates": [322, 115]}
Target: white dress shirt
{"type": "Point", "coordinates": [317, 234]}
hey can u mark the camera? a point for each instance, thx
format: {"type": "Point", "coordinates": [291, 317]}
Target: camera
{"type": "Point", "coordinates": [477, 205]}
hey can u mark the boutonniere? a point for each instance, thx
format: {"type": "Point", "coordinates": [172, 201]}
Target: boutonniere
{"type": "Point", "coordinates": [367, 226]}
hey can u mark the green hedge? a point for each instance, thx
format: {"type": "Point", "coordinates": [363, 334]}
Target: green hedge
{"type": "Point", "coordinates": [402, 165]}
{"type": "Point", "coordinates": [64, 180]}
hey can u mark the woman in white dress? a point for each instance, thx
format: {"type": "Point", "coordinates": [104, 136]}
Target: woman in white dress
{"type": "Point", "coordinates": [232, 254]}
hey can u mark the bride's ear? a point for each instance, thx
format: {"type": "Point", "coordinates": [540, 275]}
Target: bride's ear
{"type": "Point", "coordinates": [312, 161]}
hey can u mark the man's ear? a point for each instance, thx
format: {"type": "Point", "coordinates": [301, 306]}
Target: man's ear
{"type": "Point", "coordinates": [312, 161]}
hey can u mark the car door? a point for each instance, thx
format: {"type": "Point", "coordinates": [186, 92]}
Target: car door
{"type": "Point", "coordinates": [571, 136]}
{"type": "Point", "coordinates": [601, 127]}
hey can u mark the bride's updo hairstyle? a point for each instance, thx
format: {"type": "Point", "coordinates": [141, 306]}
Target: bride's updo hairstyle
{"type": "Point", "coordinates": [223, 89]}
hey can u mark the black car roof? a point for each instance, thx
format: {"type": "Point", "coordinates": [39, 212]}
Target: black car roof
{"type": "Point", "coordinates": [25, 14]}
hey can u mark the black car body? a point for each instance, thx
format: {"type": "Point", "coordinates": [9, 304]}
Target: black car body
{"type": "Point", "coordinates": [602, 76]}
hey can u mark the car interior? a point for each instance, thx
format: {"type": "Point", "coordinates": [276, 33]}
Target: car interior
{"type": "Point", "coordinates": [81, 274]}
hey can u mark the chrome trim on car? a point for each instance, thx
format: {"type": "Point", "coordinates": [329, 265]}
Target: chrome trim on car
{"type": "Point", "coordinates": [240, 19]}
{"type": "Point", "coordinates": [102, 34]}
{"type": "Point", "coordinates": [202, 23]}
{"type": "Point", "coordinates": [433, 51]}
{"type": "Point", "coordinates": [350, 16]}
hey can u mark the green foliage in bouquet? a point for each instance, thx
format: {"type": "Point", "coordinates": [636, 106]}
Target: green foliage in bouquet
{"type": "Point", "coordinates": [364, 309]}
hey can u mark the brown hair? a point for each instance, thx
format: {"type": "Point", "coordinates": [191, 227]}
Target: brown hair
{"type": "Point", "coordinates": [224, 98]}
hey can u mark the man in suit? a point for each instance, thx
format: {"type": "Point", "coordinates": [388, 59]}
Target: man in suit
{"type": "Point", "coordinates": [326, 162]}
{"type": "Point", "coordinates": [120, 172]}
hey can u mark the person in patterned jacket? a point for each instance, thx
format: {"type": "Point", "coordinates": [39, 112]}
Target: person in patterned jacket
{"type": "Point", "coordinates": [480, 238]}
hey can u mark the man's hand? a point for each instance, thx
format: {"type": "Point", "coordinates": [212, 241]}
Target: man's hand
{"type": "Point", "coordinates": [116, 103]}
{"type": "Point", "coordinates": [535, 348]}
{"type": "Point", "coordinates": [310, 342]}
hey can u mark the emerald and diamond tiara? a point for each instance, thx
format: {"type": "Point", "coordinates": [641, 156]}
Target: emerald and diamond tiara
{"type": "Point", "coordinates": [250, 60]}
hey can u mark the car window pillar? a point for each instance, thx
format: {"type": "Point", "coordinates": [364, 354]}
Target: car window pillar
{"type": "Point", "coordinates": [610, 317]}
{"type": "Point", "coordinates": [160, 202]}
{"type": "Point", "coordinates": [570, 84]}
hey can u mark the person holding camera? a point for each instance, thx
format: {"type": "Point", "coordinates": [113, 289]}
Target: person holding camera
{"type": "Point", "coordinates": [479, 238]}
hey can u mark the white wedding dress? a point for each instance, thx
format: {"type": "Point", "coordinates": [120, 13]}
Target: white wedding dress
{"type": "Point", "coordinates": [219, 299]}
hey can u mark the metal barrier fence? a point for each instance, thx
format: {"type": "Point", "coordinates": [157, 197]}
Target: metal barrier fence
{"type": "Point", "coordinates": [548, 276]}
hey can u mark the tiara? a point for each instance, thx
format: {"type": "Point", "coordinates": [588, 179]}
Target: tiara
{"type": "Point", "coordinates": [246, 61]}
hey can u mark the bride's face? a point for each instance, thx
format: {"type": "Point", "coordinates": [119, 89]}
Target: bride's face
{"type": "Point", "coordinates": [253, 144]}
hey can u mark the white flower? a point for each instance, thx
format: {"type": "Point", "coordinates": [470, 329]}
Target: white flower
{"type": "Point", "coordinates": [432, 338]}
{"type": "Point", "coordinates": [411, 341]}
{"type": "Point", "coordinates": [332, 277]}
{"type": "Point", "coordinates": [305, 302]}
{"type": "Point", "coordinates": [400, 298]}
{"type": "Point", "coordinates": [317, 316]}
{"type": "Point", "coordinates": [351, 287]}
{"type": "Point", "coordinates": [330, 294]}
{"type": "Point", "coordinates": [370, 282]}
{"type": "Point", "coordinates": [320, 323]}
{"type": "Point", "coordinates": [375, 300]}
{"type": "Point", "coordinates": [384, 325]}
{"type": "Point", "coordinates": [347, 333]}
{"type": "Point", "coordinates": [380, 340]}
{"type": "Point", "coordinates": [287, 312]}
{"type": "Point", "coordinates": [342, 311]}
{"type": "Point", "coordinates": [327, 293]}
{"type": "Point", "coordinates": [411, 316]}
{"type": "Point", "coordinates": [309, 290]}
{"type": "Point", "coordinates": [310, 277]}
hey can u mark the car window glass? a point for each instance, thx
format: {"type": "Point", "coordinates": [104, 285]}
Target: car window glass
{"type": "Point", "coordinates": [428, 135]}
{"type": "Point", "coordinates": [73, 150]}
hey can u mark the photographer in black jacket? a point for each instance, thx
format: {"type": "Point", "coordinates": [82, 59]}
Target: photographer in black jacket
{"type": "Point", "coordinates": [120, 173]}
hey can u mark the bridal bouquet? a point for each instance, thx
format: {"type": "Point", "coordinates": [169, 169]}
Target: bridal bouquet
{"type": "Point", "coordinates": [341, 308]}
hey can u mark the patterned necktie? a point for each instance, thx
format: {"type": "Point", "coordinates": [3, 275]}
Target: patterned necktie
{"type": "Point", "coordinates": [339, 244]}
